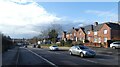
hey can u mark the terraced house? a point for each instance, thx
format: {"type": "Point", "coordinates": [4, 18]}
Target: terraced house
{"type": "Point", "coordinates": [96, 34]}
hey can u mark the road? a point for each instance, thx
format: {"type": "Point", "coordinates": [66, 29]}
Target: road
{"type": "Point", "coordinates": [42, 57]}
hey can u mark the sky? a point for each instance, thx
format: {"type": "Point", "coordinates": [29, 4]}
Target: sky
{"type": "Point", "coordinates": [25, 19]}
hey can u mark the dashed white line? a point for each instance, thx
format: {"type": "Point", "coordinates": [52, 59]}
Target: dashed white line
{"type": "Point", "coordinates": [43, 58]}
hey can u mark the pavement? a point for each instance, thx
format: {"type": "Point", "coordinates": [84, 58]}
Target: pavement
{"type": "Point", "coordinates": [0, 59]}
{"type": "Point", "coordinates": [9, 57]}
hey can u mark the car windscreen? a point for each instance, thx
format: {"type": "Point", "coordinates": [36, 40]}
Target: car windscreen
{"type": "Point", "coordinates": [54, 46]}
{"type": "Point", "coordinates": [83, 47]}
{"type": "Point", "coordinates": [117, 43]}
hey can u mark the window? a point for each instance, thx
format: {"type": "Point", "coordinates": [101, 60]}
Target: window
{"type": "Point", "coordinates": [116, 43]}
{"type": "Point", "coordinates": [95, 39]}
{"type": "Point", "coordinates": [99, 39]}
{"type": "Point", "coordinates": [80, 38]}
{"type": "Point", "coordinates": [88, 38]}
{"type": "Point", "coordinates": [83, 47]}
{"type": "Point", "coordinates": [105, 39]}
{"type": "Point", "coordinates": [80, 33]}
{"type": "Point", "coordinates": [95, 32]}
{"type": "Point", "coordinates": [74, 34]}
{"type": "Point", "coordinates": [105, 31]}
{"type": "Point", "coordinates": [88, 32]}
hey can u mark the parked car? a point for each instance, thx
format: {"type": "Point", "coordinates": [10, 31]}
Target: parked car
{"type": "Point", "coordinates": [53, 47]}
{"type": "Point", "coordinates": [25, 46]}
{"type": "Point", "coordinates": [34, 46]}
{"type": "Point", "coordinates": [115, 45]}
{"type": "Point", "coordinates": [82, 51]}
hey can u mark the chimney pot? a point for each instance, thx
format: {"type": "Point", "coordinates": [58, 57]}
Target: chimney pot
{"type": "Point", "coordinates": [96, 23]}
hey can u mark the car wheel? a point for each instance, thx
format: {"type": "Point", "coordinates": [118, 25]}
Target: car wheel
{"type": "Point", "coordinates": [81, 55]}
{"type": "Point", "coordinates": [71, 53]}
{"type": "Point", "coordinates": [113, 47]}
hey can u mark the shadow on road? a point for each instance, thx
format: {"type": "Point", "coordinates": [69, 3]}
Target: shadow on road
{"type": "Point", "coordinates": [59, 50]}
{"type": "Point", "coordinates": [103, 57]}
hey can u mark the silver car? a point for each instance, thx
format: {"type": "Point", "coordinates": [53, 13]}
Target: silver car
{"type": "Point", "coordinates": [115, 45]}
{"type": "Point", "coordinates": [82, 51]}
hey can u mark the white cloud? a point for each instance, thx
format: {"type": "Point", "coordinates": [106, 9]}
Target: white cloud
{"type": "Point", "coordinates": [20, 17]}
{"type": "Point", "coordinates": [105, 14]}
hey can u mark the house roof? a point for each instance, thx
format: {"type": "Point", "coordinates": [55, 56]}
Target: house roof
{"type": "Point", "coordinates": [98, 27]}
{"type": "Point", "coordinates": [92, 27]}
{"type": "Point", "coordinates": [76, 29]}
{"type": "Point", "coordinates": [86, 28]}
{"type": "Point", "coordinates": [113, 26]}
{"type": "Point", "coordinates": [82, 29]}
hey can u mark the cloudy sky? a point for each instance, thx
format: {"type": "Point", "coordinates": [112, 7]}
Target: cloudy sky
{"type": "Point", "coordinates": [25, 19]}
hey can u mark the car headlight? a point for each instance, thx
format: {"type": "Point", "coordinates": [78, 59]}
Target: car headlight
{"type": "Point", "coordinates": [84, 52]}
{"type": "Point", "coordinates": [88, 53]}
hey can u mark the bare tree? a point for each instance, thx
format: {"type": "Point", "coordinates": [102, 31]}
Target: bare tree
{"type": "Point", "coordinates": [53, 26]}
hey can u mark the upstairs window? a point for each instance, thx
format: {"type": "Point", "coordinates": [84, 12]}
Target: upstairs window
{"type": "Point", "coordinates": [88, 32]}
{"type": "Point", "coordinates": [105, 31]}
{"type": "Point", "coordinates": [80, 33]}
{"type": "Point", "coordinates": [95, 32]}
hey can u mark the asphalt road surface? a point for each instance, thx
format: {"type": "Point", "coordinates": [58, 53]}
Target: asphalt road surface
{"type": "Point", "coordinates": [41, 57]}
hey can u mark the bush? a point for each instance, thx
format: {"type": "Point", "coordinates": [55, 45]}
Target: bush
{"type": "Point", "coordinates": [86, 41]}
{"type": "Point", "coordinates": [62, 42]}
{"type": "Point", "coordinates": [68, 42]}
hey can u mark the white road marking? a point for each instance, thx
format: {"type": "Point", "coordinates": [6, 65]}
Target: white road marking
{"type": "Point", "coordinates": [82, 58]}
{"type": "Point", "coordinates": [58, 53]}
{"type": "Point", "coordinates": [43, 58]}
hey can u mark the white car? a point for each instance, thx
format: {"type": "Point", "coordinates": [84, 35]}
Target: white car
{"type": "Point", "coordinates": [54, 47]}
{"type": "Point", "coordinates": [115, 45]}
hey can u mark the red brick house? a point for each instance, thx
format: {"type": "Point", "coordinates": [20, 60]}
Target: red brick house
{"type": "Point", "coordinates": [81, 34]}
{"type": "Point", "coordinates": [97, 33]}
{"type": "Point", "coordinates": [75, 34]}
{"type": "Point", "coordinates": [109, 31]}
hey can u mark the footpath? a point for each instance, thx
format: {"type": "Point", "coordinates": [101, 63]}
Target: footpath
{"type": "Point", "coordinates": [9, 57]}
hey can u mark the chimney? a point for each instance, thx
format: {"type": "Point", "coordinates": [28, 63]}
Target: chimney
{"type": "Point", "coordinates": [96, 23]}
{"type": "Point", "coordinates": [92, 27]}
{"type": "Point", "coordinates": [64, 34]}
{"type": "Point", "coordinates": [73, 28]}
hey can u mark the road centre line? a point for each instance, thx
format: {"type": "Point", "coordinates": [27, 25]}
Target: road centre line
{"type": "Point", "coordinates": [43, 58]}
